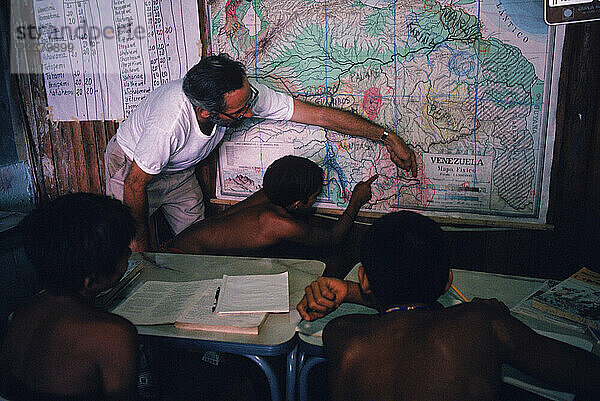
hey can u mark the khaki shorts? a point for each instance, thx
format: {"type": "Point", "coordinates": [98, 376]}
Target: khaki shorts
{"type": "Point", "coordinates": [177, 194]}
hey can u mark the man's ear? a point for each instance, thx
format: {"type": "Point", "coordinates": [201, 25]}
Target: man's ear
{"type": "Point", "coordinates": [202, 113]}
{"type": "Point", "coordinates": [450, 279]}
{"type": "Point", "coordinates": [363, 281]}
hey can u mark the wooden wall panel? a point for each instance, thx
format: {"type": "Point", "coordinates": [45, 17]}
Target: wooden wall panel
{"type": "Point", "coordinates": [64, 167]}
{"type": "Point", "coordinates": [35, 111]}
{"type": "Point", "coordinates": [101, 139]}
{"type": "Point", "coordinates": [575, 186]}
{"type": "Point", "coordinates": [92, 155]}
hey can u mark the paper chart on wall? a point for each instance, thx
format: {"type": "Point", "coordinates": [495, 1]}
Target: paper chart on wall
{"type": "Point", "coordinates": [100, 58]}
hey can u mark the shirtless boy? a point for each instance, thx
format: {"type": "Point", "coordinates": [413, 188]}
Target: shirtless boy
{"type": "Point", "coordinates": [273, 214]}
{"type": "Point", "coordinates": [417, 350]}
{"type": "Point", "coordinates": [58, 346]}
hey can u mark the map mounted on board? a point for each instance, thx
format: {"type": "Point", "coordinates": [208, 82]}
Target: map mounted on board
{"type": "Point", "coordinates": [465, 83]}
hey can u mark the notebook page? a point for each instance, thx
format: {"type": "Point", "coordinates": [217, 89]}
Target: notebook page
{"type": "Point", "coordinates": [254, 293]}
{"type": "Point", "coordinates": [158, 302]}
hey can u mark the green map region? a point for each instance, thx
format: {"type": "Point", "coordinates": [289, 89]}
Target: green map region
{"type": "Point", "coordinates": [468, 85]}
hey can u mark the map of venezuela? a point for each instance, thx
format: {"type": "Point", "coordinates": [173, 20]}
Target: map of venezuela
{"type": "Point", "coordinates": [465, 83]}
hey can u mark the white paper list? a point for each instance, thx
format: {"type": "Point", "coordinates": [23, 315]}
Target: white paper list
{"type": "Point", "coordinates": [100, 58]}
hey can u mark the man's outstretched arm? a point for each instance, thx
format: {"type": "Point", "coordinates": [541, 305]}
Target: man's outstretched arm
{"type": "Point", "coordinates": [352, 124]}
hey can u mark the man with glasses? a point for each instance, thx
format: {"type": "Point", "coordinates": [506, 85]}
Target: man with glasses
{"type": "Point", "coordinates": [150, 161]}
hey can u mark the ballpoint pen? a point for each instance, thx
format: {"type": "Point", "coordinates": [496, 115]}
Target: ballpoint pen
{"type": "Point", "coordinates": [159, 266]}
{"type": "Point", "coordinates": [216, 298]}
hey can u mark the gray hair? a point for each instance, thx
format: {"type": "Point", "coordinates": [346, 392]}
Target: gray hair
{"type": "Point", "coordinates": [206, 83]}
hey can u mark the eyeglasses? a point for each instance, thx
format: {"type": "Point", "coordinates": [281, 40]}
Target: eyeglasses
{"type": "Point", "coordinates": [239, 115]}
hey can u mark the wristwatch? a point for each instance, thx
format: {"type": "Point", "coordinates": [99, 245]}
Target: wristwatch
{"type": "Point", "coordinates": [383, 136]}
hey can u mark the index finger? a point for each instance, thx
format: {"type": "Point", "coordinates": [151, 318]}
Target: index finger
{"type": "Point", "coordinates": [370, 180]}
{"type": "Point", "coordinates": [413, 164]}
{"type": "Point", "coordinates": [301, 308]}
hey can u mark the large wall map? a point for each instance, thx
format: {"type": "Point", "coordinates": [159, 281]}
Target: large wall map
{"type": "Point", "coordinates": [466, 83]}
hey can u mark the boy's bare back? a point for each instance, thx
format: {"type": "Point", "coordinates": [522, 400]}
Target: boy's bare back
{"type": "Point", "coordinates": [251, 227]}
{"type": "Point", "coordinates": [56, 345]}
{"type": "Point", "coordinates": [258, 222]}
{"type": "Point", "coordinates": [447, 354]}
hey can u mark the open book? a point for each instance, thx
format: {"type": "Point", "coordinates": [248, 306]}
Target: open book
{"type": "Point", "coordinates": [577, 298]}
{"type": "Point", "coordinates": [189, 305]}
{"type": "Point", "coordinates": [525, 308]}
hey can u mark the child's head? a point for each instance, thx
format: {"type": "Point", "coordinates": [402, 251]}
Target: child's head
{"type": "Point", "coordinates": [77, 237]}
{"type": "Point", "coordinates": [292, 179]}
{"type": "Point", "coordinates": [405, 260]}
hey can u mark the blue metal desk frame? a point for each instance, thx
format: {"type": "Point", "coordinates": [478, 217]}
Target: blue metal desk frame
{"type": "Point", "coordinates": [253, 352]}
{"type": "Point", "coordinates": [309, 356]}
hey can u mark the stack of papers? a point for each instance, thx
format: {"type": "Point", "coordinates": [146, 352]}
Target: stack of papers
{"type": "Point", "coordinates": [197, 305]}
{"type": "Point", "coordinates": [254, 293]}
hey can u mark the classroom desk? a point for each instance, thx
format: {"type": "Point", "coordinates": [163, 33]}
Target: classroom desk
{"type": "Point", "coordinates": [506, 288]}
{"type": "Point", "coordinates": [277, 335]}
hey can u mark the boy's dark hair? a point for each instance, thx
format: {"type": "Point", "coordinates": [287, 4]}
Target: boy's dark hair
{"type": "Point", "coordinates": [290, 179]}
{"type": "Point", "coordinates": [76, 236]}
{"type": "Point", "coordinates": [206, 83]}
{"type": "Point", "coordinates": [405, 259]}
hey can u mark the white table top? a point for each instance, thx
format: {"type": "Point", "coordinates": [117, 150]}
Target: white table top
{"type": "Point", "coordinates": [277, 329]}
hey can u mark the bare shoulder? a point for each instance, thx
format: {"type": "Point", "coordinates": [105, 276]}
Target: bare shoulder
{"type": "Point", "coordinates": [282, 223]}
{"type": "Point", "coordinates": [494, 318]}
{"type": "Point", "coordinates": [340, 333]}
{"type": "Point", "coordinates": [99, 334]}
{"type": "Point", "coordinates": [112, 340]}
{"type": "Point", "coordinates": [112, 329]}
{"type": "Point", "coordinates": [71, 323]}
{"type": "Point", "coordinates": [115, 349]}
{"type": "Point", "coordinates": [491, 311]}
{"type": "Point", "coordinates": [479, 314]}
{"type": "Point", "coordinates": [349, 324]}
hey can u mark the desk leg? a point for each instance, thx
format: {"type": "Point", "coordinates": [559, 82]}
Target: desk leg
{"type": "Point", "coordinates": [290, 380]}
{"type": "Point", "coordinates": [301, 359]}
{"type": "Point", "coordinates": [309, 363]}
{"type": "Point", "coordinates": [269, 373]}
